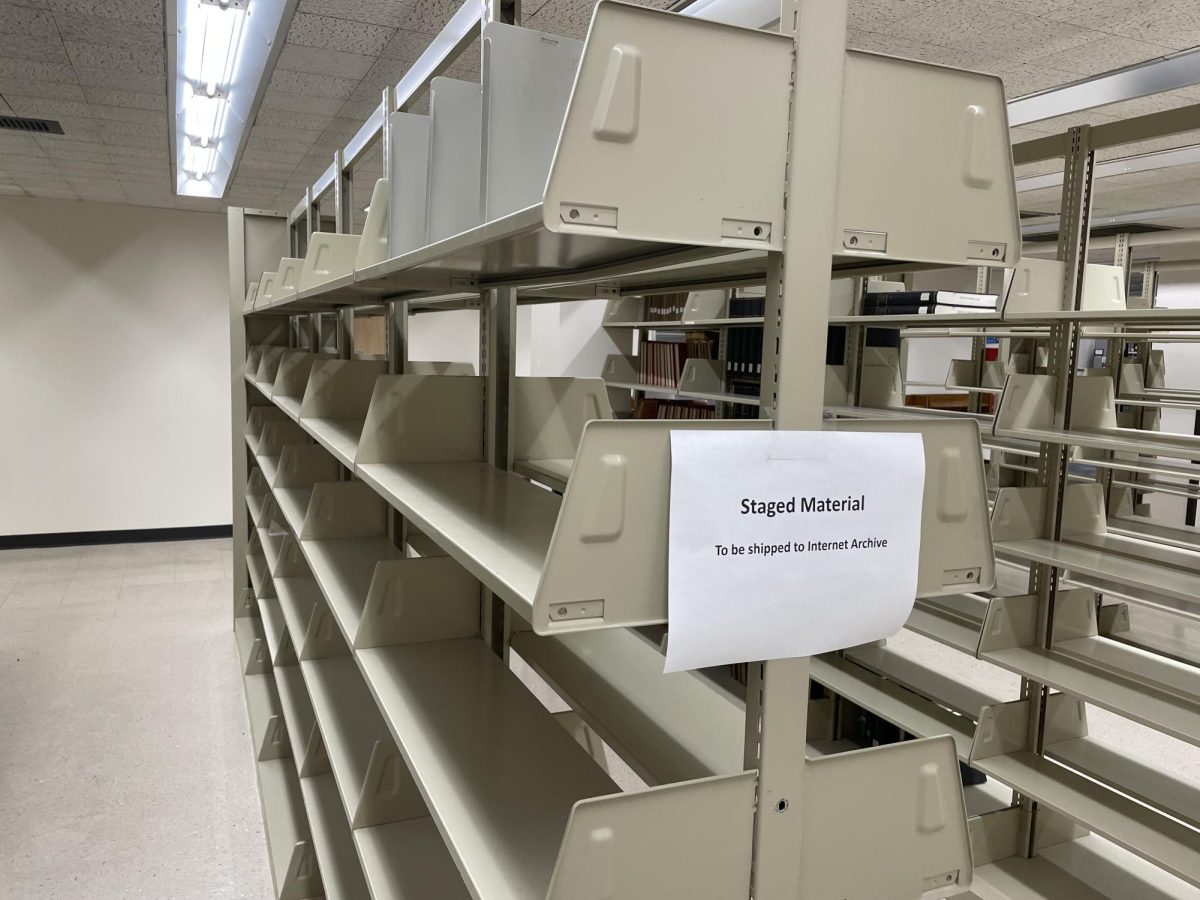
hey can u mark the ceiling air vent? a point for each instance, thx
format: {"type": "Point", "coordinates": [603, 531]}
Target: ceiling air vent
{"type": "Point", "coordinates": [33, 126]}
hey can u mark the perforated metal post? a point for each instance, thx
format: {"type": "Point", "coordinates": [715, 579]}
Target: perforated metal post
{"type": "Point", "coordinates": [797, 319]}
{"type": "Point", "coordinates": [497, 363]}
{"type": "Point", "coordinates": [1074, 227]}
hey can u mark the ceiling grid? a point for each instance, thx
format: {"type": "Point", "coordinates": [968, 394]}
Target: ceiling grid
{"type": "Point", "coordinates": [98, 67]}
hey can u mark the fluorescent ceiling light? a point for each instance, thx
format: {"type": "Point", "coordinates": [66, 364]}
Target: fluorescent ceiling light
{"type": "Point", "coordinates": [1152, 77]}
{"type": "Point", "coordinates": [222, 50]}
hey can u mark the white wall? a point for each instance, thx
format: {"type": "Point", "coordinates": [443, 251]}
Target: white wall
{"type": "Point", "coordinates": [114, 368]}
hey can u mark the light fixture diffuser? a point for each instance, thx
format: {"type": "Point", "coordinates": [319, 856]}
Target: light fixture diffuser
{"type": "Point", "coordinates": [222, 52]}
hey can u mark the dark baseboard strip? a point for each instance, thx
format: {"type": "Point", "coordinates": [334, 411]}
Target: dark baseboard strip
{"type": "Point", "coordinates": [128, 536]}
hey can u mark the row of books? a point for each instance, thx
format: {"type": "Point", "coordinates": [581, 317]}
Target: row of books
{"type": "Point", "coordinates": [743, 351]}
{"type": "Point", "coordinates": [926, 303]}
{"type": "Point", "coordinates": [666, 307]}
{"type": "Point", "coordinates": [660, 363]}
{"type": "Point", "coordinates": [674, 409]}
{"type": "Point", "coordinates": [747, 307]}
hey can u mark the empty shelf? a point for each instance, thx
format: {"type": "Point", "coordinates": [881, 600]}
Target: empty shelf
{"type": "Point", "coordinates": [1167, 843]}
{"type": "Point", "coordinates": [273, 624]}
{"type": "Point", "coordinates": [297, 598]}
{"type": "Point", "coordinates": [480, 746]}
{"type": "Point", "coordinates": [338, 436]}
{"type": "Point", "coordinates": [954, 621]}
{"type": "Point", "coordinates": [891, 702]}
{"type": "Point", "coordinates": [293, 503]}
{"type": "Point", "coordinates": [290, 405]}
{"type": "Point", "coordinates": [349, 720]}
{"type": "Point", "coordinates": [297, 708]}
{"type": "Point", "coordinates": [408, 861]}
{"type": "Point", "coordinates": [554, 473]}
{"type": "Point", "coordinates": [667, 727]}
{"type": "Point", "coordinates": [495, 524]}
{"type": "Point", "coordinates": [1178, 798]}
{"type": "Point", "coordinates": [341, 874]}
{"type": "Point", "coordinates": [246, 630]}
{"type": "Point", "coordinates": [1146, 576]}
{"type": "Point", "coordinates": [343, 570]}
{"type": "Point", "coordinates": [285, 823]}
{"type": "Point", "coordinates": [915, 676]}
{"type": "Point", "coordinates": [1103, 672]}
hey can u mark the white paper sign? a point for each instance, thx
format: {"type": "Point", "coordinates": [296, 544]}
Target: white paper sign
{"type": "Point", "coordinates": [790, 543]}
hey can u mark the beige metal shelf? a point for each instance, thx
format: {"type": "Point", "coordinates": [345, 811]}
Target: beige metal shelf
{"type": "Point", "coordinates": [1168, 844]}
{"type": "Point", "coordinates": [480, 746]}
{"type": "Point", "coordinates": [341, 874]}
{"type": "Point", "coordinates": [667, 727]}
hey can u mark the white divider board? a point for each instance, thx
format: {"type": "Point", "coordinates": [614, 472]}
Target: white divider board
{"type": "Point", "coordinates": [551, 413]}
{"type": "Point", "coordinates": [329, 257]}
{"type": "Point", "coordinates": [266, 290]}
{"type": "Point", "coordinates": [622, 166]}
{"type": "Point", "coordinates": [968, 166]}
{"type": "Point", "coordinates": [423, 417]}
{"type": "Point", "coordinates": [373, 246]}
{"type": "Point", "coordinates": [1035, 286]}
{"type": "Point", "coordinates": [527, 78]}
{"type": "Point", "coordinates": [691, 839]}
{"type": "Point", "coordinates": [408, 182]}
{"type": "Point", "coordinates": [455, 150]}
{"type": "Point", "coordinates": [340, 388]}
{"type": "Point", "coordinates": [912, 790]}
{"type": "Point", "coordinates": [288, 276]}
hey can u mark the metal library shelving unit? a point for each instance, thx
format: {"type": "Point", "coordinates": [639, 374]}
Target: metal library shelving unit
{"type": "Point", "coordinates": [1095, 603]}
{"type": "Point", "coordinates": [405, 531]}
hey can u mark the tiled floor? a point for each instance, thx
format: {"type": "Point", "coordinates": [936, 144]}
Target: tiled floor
{"type": "Point", "coordinates": [125, 767]}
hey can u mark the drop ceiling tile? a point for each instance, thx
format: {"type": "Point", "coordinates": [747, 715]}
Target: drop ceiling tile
{"type": "Point", "coordinates": [28, 21]}
{"type": "Point", "coordinates": [76, 129]}
{"type": "Point", "coordinates": [875, 15]}
{"type": "Point", "coordinates": [54, 90]}
{"type": "Point", "coordinates": [97, 30]}
{"type": "Point", "coordinates": [40, 49]}
{"type": "Point", "coordinates": [118, 131]}
{"type": "Point", "coordinates": [1158, 144]}
{"type": "Point", "coordinates": [1171, 23]}
{"type": "Point", "coordinates": [128, 99]}
{"type": "Point", "coordinates": [996, 31]}
{"type": "Point", "coordinates": [1027, 78]}
{"type": "Point", "coordinates": [18, 143]}
{"type": "Point", "coordinates": [313, 85]}
{"type": "Point", "coordinates": [148, 195]}
{"type": "Point", "coordinates": [289, 119]}
{"type": "Point", "coordinates": [138, 151]}
{"type": "Point", "coordinates": [910, 48]}
{"type": "Point", "coordinates": [276, 98]}
{"type": "Point", "coordinates": [322, 61]}
{"type": "Point", "coordinates": [136, 82]}
{"type": "Point", "coordinates": [30, 70]}
{"type": "Point", "coordinates": [430, 16]}
{"type": "Point", "coordinates": [143, 60]}
{"type": "Point", "coordinates": [127, 114]}
{"type": "Point", "coordinates": [385, 71]}
{"type": "Point", "coordinates": [43, 108]}
{"type": "Point", "coordinates": [329, 33]}
{"type": "Point", "coordinates": [407, 45]}
{"type": "Point", "coordinates": [359, 110]}
{"type": "Point", "coordinates": [63, 149]}
{"type": "Point", "coordinates": [375, 12]}
{"type": "Point", "coordinates": [1105, 53]}
{"type": "Point", "coordinates": [278, 133]}
{"type": "Point", "coordinates": [143, 12]}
